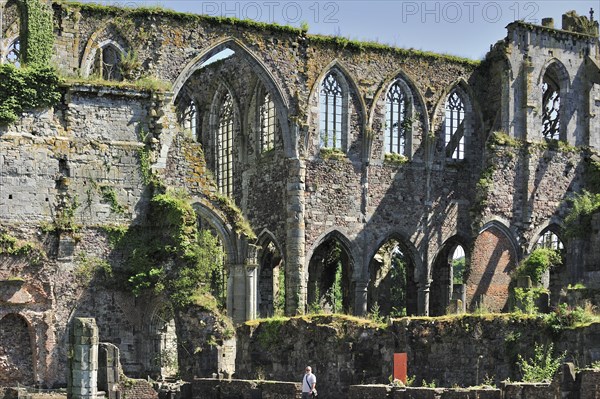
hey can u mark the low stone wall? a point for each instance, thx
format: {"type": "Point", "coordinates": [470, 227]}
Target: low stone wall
{"type": "Point", "coordinates": [210, 388]}
{"type": "Point", "coordinates": [583, 385]}
{"type": "Point", "coordinates": [137, 389]}
{"type": "Point", "coordinates": [459, 351]}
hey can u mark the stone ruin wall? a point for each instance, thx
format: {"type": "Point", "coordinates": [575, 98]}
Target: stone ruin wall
{"type": "Point", "coordinates": [91, 140]}
{"type": "Point", "coordinates": [463, 351]}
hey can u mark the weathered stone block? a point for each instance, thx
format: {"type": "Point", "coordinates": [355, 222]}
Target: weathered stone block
{"type": "Point", "coordinates": [280, 390]}
{"type": "Point", "coordinates": [368, 391]}
{"type": "Point", "coordinates": [422, 393]}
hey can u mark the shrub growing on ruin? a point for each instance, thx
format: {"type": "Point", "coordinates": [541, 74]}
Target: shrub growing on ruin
{"type": "Point", "coordinates": [542, 366]}
{"type": "Point", "coordinates": [173, 258]}
{"type": "Point", "coordinates": [538, 262]}
{"type": "Point", "coordinates": [579, 220]}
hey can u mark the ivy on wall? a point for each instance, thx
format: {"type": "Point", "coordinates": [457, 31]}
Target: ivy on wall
{"type": "Point", "coordinates": [26, 88]}
{"type": "Point", "coordinates": [172, 257]}
{"type": "Point", "coordinates": [35, 84]}
{"type": "Point", "coordinates": [37, 33]}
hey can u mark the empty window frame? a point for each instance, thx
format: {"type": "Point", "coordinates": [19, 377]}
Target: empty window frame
{"type": "Point", "coordinates": [454, 129]}
{"type": "Point", "coordinates": [331, 109]}
{"type": "Point", "coordinates": [550, 108]}
{"type": "Point", "coordinates": [224, 146]}
{"type": "Point", "coordinates": [268, 122]}
{"type": "Point", "coordinates": [190, 118]}
{"type": "Point", "coordinates": [395, 116]}
{"type": "Point", "coordinates": [550, 240]}
{"type": "Point", "coordinates": [13, 55]}
{"type": "Point", "coordinates": [109, 63]}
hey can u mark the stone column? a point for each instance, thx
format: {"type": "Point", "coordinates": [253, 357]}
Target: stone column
{"type": "Point", "coordinates": [236, 302]}
{"type": "Point", "coordinates": [251, 292]}
{"type": "Point", "coordinates": [360, 298]}
{"type": "Point", "coordinates": [83, 362]}
{"type": "Point", "coordinates": [423, 298]}
{"type": "Point", "coordinates": [108, 370]}
{"type": "Point", "coordinates": [532, 104]}
{"type": "Point", "coordinates": [295, 290]}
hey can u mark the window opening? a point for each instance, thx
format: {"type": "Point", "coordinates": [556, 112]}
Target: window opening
{"type": "Point", "coordinates": [111, 58]}
{"type": "Point", "coordinates": [551, 109]}
{"type": "Point", "coordinates": [454, 127]}
{"type": "Point", "coordinates": [268, 123]}
{"type": "Point", "coordinates": [395, 131]}
{"type": "Point", "coordinates": [13, 55]}
{"type": "Point", "coordinates": [331, 110]}
{"type": "Point", "coordinates": [550, 240]}
{"type": "Point", "coordinates": [225, 147]}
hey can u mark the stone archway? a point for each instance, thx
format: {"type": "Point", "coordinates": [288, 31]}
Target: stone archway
{"type": "Point", "coordinates": [392, 289]}
{"type": "Point", "coordinates": [447, 277]}
{"type": "Point", "coordinates": [330, 288]}
{"type": "Point", "coordinates": [493, 260]}
{"type": "Point", "coordinates": [16, 351]}
{"type": "Point", "coordinates": [271, 281]}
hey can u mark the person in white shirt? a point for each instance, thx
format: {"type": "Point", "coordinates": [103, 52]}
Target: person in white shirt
{"type": "Point", "coordinates": [308, 383]}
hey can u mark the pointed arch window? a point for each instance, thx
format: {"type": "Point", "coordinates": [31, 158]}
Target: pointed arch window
{"type": "Point", "coordinates": [190, 118]}
{"type": "Point", "coordinates": [108, 62]}
{"type": "Point", "coordinates": [550, 240]}
{"type": "Point", "coordinates": [454, 129]}
{"type": "Point", "coordinates": [13, 55]}
{"type": "Point", "coordinates": [268, 122]}
{"type": "Point", "coordinates": [395, 116]}
{"type": "Point", "coordinates": [550, 107]}
{"type": "Point", "coordinates": [225, 146]}
{"type": "Point", "coordinates": [331, 112]}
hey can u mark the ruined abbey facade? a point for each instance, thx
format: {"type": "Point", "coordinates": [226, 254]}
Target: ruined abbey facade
{"type": "Point", "coordinates": [339, 155]}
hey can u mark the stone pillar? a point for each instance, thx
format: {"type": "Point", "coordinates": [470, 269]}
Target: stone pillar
{"type": "Point", "coordinates": [83, 362]}
{"type": "Point", "coordinates": [532, 104]}
{"type": "Point", "coordinates": [251, 292]}
{"type": "Point", "coordinates": [360, 298]}
{"type": "Point", "coordinates": [236, 297]}
{"type": "Point", "coordinates": [109, 370]}
{"type": "Point", "coordinates": [295, 290]}
{"type": "Point", "coordinates": [423, 298]}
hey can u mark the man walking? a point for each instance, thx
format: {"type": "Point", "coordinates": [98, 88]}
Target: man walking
{"type": "Point", "coordinates": [308, 383]}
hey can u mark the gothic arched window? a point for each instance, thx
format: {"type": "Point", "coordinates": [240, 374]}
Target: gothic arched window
{"type": "Point", "coordinates": [550, 107]}
{"type": "Point", "coordinates": [13, 55]}
{"type": "Point", "coordinates": [550, 240]}
{"type": "Point", "coordinates": [190, 119]}
{"type": "Point", "coordinates": [454, 129]}
{"type": "Point", "coordinates": [268, 122]}
{"type": "Point", "coordinates": [395, 117]}
{"type": "Point", "coordinates": [109, 61]}
{"type": "Point", "coordinates": [331, 112]}
{"type": "Point", "coordinates": [224, 147]}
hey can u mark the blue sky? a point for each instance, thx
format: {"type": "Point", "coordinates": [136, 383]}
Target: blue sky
{"type": "Point", "coordinates": [465, 28]}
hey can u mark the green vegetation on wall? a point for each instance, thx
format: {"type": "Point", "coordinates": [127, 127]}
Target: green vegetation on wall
{"type": "Point", "coordinates": [542, 366]}
{"type": "Point", "coordinates": [538, 262]}
{"type": "Point", "coordinates": [38, 27]}
{"type": "Point", "coordinates": [35, 84]}
{"type": "Point", "coordinates": [26, 88]}
{"type": "Point", "coordinates": [578, 222]}
{"type": "Point", "coordinates": [172, 257]}
{"type": "Point", "coordinates": [11, 246]}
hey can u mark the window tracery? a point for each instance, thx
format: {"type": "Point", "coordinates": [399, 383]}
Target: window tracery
{"type": "Point", "coordinates": [224, 147]}
{"type": "Point", "coordinates": [396, 114]}
{"type": "Point", "coordinates": [331, 112]}
{"type": "Point", "coordinates": [13, 55]}
{"type": "Point", "coordinates": [550, 240]}
{"type": "Point", "coordinates": [268, 122]}
{"type": "Point", "coordinates": [454, 130]}
{"type": "Point", "coordinates": [550, 109]}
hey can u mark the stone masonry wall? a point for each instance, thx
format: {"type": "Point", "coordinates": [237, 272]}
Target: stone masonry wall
{"type": "Point", "coordinates": [450, 351]}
